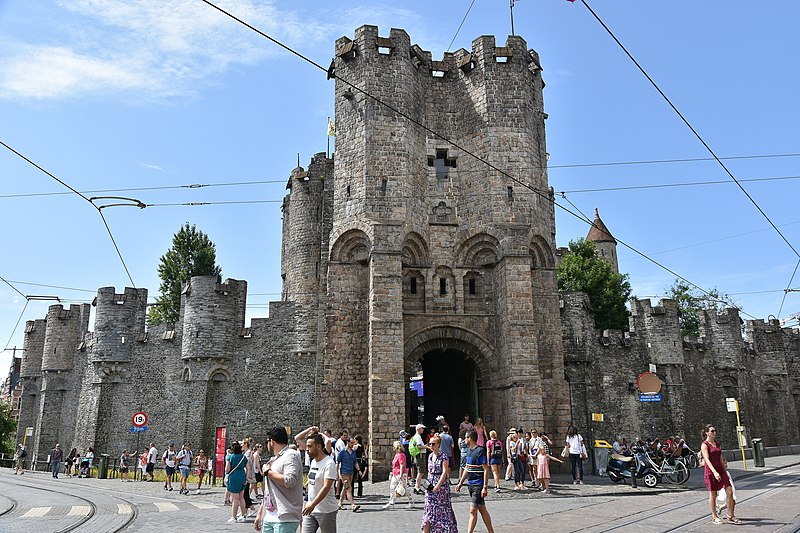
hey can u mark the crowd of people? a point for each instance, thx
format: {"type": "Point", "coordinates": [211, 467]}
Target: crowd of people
{"type": "Point", "coordinates": [421, 465]}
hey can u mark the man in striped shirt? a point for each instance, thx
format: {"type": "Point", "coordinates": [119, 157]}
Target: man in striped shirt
{"type": "Point", "coordinates": [476, 475]}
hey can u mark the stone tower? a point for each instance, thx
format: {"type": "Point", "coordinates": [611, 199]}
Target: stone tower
{"type": "Point", "coordinates": [64, 331]}
{"type": "Point", "coordinates": [439, 264]}
{"type": "Point", "coordinates": [604, 242]}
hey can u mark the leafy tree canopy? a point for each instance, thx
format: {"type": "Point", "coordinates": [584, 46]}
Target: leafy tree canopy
{"type": "Point", "coordinates": [8, 428]}
{"type": "Point", "coordinates": [582, 270]}
{"type": "Point", "coordinates": [192, 254]}
{"type": "Point", "coordinates": [690, 301]}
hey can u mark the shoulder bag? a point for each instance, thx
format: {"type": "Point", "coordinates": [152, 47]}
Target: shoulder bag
{"type": "Point", "coordinates": [227, 476]}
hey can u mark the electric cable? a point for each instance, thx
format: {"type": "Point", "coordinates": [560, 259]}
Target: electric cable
{"type": "Point", "coordinates": [98, 208]}
{"type": "Point", "coordinates": [788, 286]}
{"type": "Point", "coordinates": [17, 324]}
{"type": "Point", "coordinates": [688, 124]}
{"type": "Point", "coordinates": [51, 286]}
{"type": "Point", "coordinates": [447, 140]}
{"type": "Point", "coordinates": [13, 287]}
{"type": "Point", "coordinates": [459, 172]}
{"type": "Point", "coordinates": [460, 25]}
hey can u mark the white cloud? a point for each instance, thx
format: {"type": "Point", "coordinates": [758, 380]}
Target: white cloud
{"type": "Point", "coordinates": [150, 166]}
{"type": "Point", "coordinates": [149, 48]}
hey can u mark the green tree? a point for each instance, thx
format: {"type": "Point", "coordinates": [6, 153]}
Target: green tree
{"type": "Point", "coordinates": [583, 270]}
{"type": "Point", "coordinates": [690, 301]}
{"type": "Point", "coordinates": [192, 254]}
{"type": "Point", "coordinates": [8, 427]}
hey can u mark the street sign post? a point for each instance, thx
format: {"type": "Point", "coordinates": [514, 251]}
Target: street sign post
{"type": "Point", "coordinates": [732, 404]}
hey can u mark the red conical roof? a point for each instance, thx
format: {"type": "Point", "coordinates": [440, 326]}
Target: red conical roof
{"type": "Point", "coordinates": [599, 231]}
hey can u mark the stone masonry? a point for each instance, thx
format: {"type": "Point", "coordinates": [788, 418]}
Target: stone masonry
{"type": "Point", "coordinates": [407, 251]}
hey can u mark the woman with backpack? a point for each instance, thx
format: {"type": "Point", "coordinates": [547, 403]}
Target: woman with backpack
{"type": "Point", "coordinates": [495, 448]}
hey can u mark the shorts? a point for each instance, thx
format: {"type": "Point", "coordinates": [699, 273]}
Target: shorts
{"type": "Point", "coordinates": [150, 467]}
{"type": "Point", "coordinates": [184, 470]}
{"type": "Point", "coordinates": [419, 460]}
{"type": "Point", "coordinates": [280, 527]}
{"type": "Point", "coordinates": [169, 470]}
{"type": "Point", "coordinates": [322, 522]}
{"type": "Point", "coordinates": [492, 460]}
{"type": "Point", "coordinates": [475, 495]}
{"type": "Point", "coordinates": [123, 470]}
{"type": "Point", "coordinates": [347, 480]}
{"type": "Point", "coordinates": [259, 477]}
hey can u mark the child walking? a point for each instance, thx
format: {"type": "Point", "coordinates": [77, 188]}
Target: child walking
{"type": "Point", "coordinates": [544, 468]}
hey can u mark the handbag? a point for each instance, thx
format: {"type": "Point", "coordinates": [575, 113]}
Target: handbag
{"type": "Point", "coordinates": [227, 476]}
{"type": "Point", "coordinates": [565, 452]}
{"type": "Point", "coordinates": [269, 503]}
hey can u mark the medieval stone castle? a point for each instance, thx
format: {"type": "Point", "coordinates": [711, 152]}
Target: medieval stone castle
{"type": "Point", "coordinates": [409, 262]}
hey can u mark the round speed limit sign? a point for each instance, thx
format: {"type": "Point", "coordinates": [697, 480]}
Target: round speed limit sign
{"type": "Point", "coordinates": [139, 419]}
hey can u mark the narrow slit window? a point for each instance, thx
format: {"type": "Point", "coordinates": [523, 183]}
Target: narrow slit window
{"type": "Point", "coordinates": [413, 286]}
{"type": "Point", "coordinates": [472, 285]}
{"type": "Point", "coordinates": [442, 286]}
{"type": "Point", "coordinates": [510, 191]}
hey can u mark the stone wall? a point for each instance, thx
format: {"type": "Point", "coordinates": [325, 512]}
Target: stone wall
{"type": "Point", "coordinates": [697, 374]}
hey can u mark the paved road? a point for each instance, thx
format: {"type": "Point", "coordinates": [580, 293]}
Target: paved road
{"type": "Point", "coordinates": [769, 501]}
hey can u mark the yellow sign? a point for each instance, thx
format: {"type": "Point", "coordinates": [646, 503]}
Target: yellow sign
{"type": "Point", "coordinates": [597, 417]}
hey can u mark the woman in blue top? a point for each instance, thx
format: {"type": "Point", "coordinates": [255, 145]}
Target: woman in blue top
{"type": "Point", "coordinates": [235, 467]}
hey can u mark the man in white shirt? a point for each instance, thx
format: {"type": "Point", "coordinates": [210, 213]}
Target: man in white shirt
{"type": "Point", "coordinates": [152, 457]}
{"type": "Point", "coordinates": [169, 465]}
{"type": "Point", "coordinates": [319, 513]}
{"type": "Point", "coordinates": [421, 463]}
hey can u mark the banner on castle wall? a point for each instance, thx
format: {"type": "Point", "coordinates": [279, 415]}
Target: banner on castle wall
{"type": "Point", "coordinates": [219, 452]}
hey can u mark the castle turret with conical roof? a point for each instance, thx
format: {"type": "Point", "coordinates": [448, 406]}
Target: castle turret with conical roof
{"type": "Point", "coordinates": [605, 243]}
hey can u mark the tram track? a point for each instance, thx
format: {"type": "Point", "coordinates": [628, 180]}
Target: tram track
{"type": "Point", "coordinates": [702, 516]}
{"type": "Point", "coordinates": [84, 519]}
{"type": "Point", "coordinates": [12, 507]}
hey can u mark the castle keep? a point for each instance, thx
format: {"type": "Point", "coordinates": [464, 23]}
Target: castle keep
{"type": "Point", "coordinates": [408, 265]}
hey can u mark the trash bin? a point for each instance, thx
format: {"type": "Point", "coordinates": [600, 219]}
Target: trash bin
{"type": "Point", "coordinates": [758, 452]}
{"type": "Point", "coordinates": [600, 452]}
{"type": "Point", "coordinates": [102, 466]}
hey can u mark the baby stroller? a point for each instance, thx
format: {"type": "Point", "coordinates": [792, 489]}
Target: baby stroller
{"type": "Point", "coordinates": [86, 464]}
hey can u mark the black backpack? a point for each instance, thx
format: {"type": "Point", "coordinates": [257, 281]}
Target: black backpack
{"type": "Point", "coordinates": [497, 450]}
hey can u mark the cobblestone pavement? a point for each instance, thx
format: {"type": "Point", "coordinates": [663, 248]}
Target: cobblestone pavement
{"type": "Point", "coordinates": [767, 497]}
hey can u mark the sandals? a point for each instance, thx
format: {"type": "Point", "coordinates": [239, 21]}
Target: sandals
{"type": "Point", "coordinates": [734, 520]}
{"type": "Point", "coordinates": [717, 521]}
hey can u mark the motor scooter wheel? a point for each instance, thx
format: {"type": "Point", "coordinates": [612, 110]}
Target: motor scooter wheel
{"type": "Point", "coordinates": [650, 480]}
{"type": "Point", "coordinates": [616, 478]}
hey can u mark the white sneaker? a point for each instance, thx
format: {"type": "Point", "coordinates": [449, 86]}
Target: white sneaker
{"type": "Point", "coordinates": [240, 519]}
{"type": "Point", "coordinates": [197, 492]}
{"type": "Point", "coordinates": [388, 505]}
{"type": "Point", "coordinates": [231, 520]}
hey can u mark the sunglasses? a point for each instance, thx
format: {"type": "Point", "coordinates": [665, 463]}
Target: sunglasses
{"type": "Point", "coordinates": [712, 430]}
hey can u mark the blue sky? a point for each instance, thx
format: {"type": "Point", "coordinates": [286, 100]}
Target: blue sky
{"type": "Point", "coordinates": [109, 94]}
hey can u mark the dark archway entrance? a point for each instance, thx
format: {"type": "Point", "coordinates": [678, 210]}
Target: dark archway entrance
{"type": "Point", "coordinates": [449, 388]}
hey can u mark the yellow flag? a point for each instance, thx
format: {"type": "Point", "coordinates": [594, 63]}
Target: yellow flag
{"type": "Point", "coordinates": [331, 128]}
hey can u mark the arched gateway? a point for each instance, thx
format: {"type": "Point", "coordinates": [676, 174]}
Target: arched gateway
{"type": "Point", "coordinates": [448, 372]}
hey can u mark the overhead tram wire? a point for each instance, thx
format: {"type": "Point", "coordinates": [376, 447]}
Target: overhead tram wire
{"type": "Point", "coordinates": [198, 186]}
{"type": "Point", "coordinates": [98, 208]}
{"type": "Point", "coordinates": [691, 128]}
{"type": "Point", "coordinates": [460, 25]}
{"type": "Point", "coordinates": [787, 290]}
{"type": "Point", "coordinates": [449, 141]}
{"type": "Point", "coordinates": [27, 301]}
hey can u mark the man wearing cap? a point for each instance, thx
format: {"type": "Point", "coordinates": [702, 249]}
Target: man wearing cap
{"type": "Point", "coordinates": [169, 465]}
{"type": "Point", "coordinates": [184, 460]}
{"type": "Point", "coordinates": [56, 456]}
{"type": "Point", "coordinates": [419, 458]}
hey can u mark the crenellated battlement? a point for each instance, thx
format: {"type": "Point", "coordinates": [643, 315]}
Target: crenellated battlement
{"type": "Point", "coordinates": [64, 330]}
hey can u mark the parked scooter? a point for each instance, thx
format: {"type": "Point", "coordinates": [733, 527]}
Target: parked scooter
{"type": "Point", "coordinates": [622, 466]}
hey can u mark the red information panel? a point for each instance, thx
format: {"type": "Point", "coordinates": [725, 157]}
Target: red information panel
{"type": "Point", "coordinates": [219, 452]}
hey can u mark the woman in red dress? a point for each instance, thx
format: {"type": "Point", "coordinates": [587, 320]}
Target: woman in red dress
{"type": "Point", "coordinates": [716, 474]}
